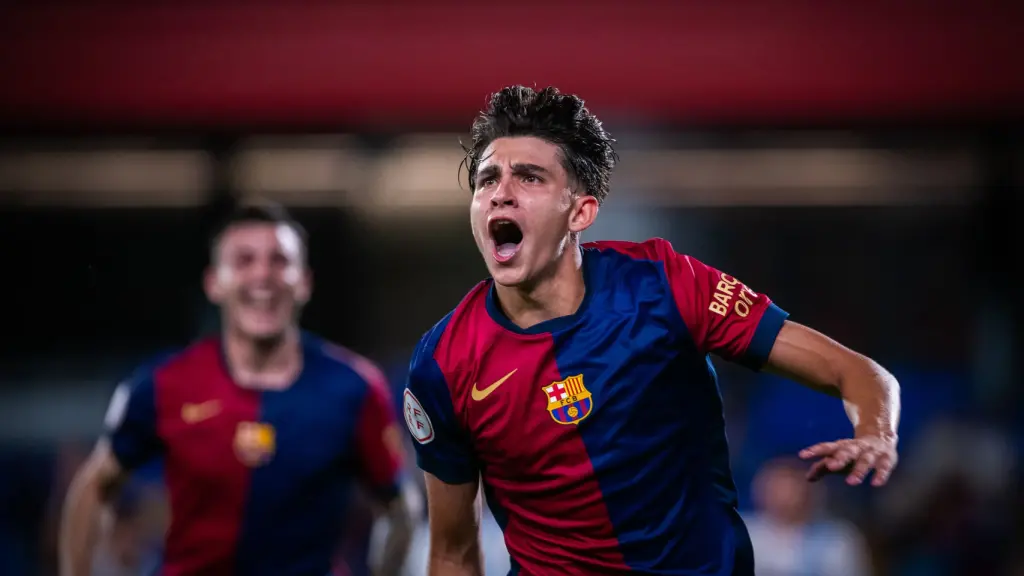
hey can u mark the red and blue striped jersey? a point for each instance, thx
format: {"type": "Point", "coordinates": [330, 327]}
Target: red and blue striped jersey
{"type": "Point", "coordinates": [258, 481]}
{"type": "Point", "coordinates": [600, 436]}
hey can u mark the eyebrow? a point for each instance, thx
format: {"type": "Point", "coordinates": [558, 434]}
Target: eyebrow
{"type": "Point", "coordinates": [525, 168]}
{"type": "Point", "coordinates": [487, 172]}
{"type": "Point", "coordinates": [519, 168]}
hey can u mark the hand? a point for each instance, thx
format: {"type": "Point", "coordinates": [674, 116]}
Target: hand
{"type": "Point", "coordinates": [855, 457]}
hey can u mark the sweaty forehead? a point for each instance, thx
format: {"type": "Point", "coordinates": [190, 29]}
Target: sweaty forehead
{"type": "Point", "coordinates": [504, 152]}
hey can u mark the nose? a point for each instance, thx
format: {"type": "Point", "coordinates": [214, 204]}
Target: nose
{"type": "Point", "coordinates": [262, 269]}
{"type": "Point", "coordinates": [503, 196]}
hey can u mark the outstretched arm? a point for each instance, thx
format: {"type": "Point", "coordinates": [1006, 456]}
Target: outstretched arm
{"type": "Point", "coordinates": [454, 529]}
{"type": "Point", "coordinates": [724, 316]}
{"type": "Point", "coordinates": [871, 397]}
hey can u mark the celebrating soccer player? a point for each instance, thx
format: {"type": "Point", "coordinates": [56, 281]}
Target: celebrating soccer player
{"type": "Point", "coordinates": [576, 381]}
{"type": "Point", "coordinates": [262, 430]}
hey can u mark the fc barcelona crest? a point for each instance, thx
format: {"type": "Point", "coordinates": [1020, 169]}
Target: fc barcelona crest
{"type": "Point", "coordinates": [254, 443]}
{"type": "Point", "coordinates": [569, 401]}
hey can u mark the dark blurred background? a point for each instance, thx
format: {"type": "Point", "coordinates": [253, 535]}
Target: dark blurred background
{"type": "Point", "coordinates": [861, 164]}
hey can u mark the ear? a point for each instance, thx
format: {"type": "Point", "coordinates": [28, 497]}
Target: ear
{"type": "Point", "coordinates": [583, 213]}
{"type": "Point", "coordinates": [305, 288]}
{"type": "Point", "coordinates": [211, 285]}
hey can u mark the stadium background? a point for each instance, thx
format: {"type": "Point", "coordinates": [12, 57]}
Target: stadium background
{"type": "Point", "coordinates": [861, 164]}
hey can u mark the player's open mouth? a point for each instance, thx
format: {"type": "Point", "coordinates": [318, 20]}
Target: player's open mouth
{"type": "Point", "coordinates": [260, 299]}
{"type": "Point", "coordinates": [507, 236]}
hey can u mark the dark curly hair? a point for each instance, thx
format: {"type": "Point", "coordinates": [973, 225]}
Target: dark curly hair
{"type": "Point", "coordinates": [588, 154]}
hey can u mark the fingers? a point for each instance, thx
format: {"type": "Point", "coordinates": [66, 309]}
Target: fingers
{"type": "Point", "coordinates": [883, 469]}
{"type": "Point", "coordinates": [846, 455]}
{"type": "Point", "coordinates": [856, 459]}
{"type": "Point", "coordinates": [818, 471]}
{"type": "Point", "coordinates": [819, 450]}
{"type": "Point", "coordinates": [862, 467]}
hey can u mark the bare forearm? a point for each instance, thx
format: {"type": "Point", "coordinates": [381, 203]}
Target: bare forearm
{"type": "Point", "coordinates": [871, 397]}
{"type": "Point", "coordinates": [454, 511]}
{"type": "Point", "coordinates": [870, 394]}
{"type": "Point", "coordinates": [79, 526]}
{"type": "Point", "coordinates": [396, 543]}
{"type": "Point", "coordinates": [466, 563]}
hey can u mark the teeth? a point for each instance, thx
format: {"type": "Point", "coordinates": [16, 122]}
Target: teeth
{"type": "Point", "coordinates": [260, 297]}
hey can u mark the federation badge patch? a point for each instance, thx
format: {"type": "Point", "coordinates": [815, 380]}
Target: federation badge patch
{"type": "Point", "coordinates": [417, 420]}
{"type": "Point", "coordinates": [569, 401]}
{"type": "Point", "coordinates": [255, 443]}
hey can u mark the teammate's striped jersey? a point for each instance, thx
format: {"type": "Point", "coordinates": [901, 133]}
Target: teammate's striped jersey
{"type": "Point", "coordinates": [258, 481]}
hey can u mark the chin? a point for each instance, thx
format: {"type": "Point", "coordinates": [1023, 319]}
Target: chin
{"type": "Point", "coordinates": [509, 277]}
{"type": "Point", "coordinates": [261, 332]}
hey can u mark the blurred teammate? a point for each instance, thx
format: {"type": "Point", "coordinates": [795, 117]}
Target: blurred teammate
{"type": "Point", "coordinates": [577, 383]}
{"type": "Point", "coordinates": [262, 430]}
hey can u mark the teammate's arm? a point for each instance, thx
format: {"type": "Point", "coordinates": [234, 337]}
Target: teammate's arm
{"type": "Point", "coordinates": [399, 536]}
{"type": "Point", "coordinates": [871, 397]}
{"type": "Point", "coordinates": [454, 529]}
{"type": "Point", "coordinates": [445, 453]}
{"type": "Point", "coordinates": [380, 454]}
{"type": "Point", "coordinates": [130, 441]}
{"type": "Point", "coordinates": [724, 316]}
{"type": "Point", "coordinates": [94, 485]}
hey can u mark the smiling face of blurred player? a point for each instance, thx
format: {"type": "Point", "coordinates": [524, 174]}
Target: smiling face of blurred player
{"type": "Point", "coordinates": [259, 279]}
{"type": "Point", "coordinates": [526, 213]}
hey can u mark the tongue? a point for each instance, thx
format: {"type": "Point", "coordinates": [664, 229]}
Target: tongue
{"type": "Point", "coordinates": [507, 249]}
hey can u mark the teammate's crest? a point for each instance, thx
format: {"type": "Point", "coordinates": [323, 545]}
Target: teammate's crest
{"type": "Point", "coordinates": [569, 401]}
{"type": "Point", "coordinates": [254, 443]}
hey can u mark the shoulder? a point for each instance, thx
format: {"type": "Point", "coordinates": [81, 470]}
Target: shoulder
{"type": "Point", "coordinates": [653, 254]}
{"type": "Point", "coordinates": [146, 373]}
{"type": "Point", "coordinates": [656, 252]}
{"type": "Point", "coordinates": [639, 267]}
{"type": "Point", "coordinates": [445, 342]}
{"type": "Point", "coordinates": [428, 343]}
{"type": "Point", "coordinates": [137, 391]}
{"type": "Point", "coordinates": [655, 249]}
{"type": "Point", "coordinates": [344, 368]}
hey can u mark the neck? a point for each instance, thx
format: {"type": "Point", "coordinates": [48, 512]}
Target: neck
{"type": "Point", "coordinates": [271, 364]}
{"type": "Point", "coordinates": [556, 294]}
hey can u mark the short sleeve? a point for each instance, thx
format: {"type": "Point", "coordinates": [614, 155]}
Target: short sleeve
{"type": "Point", "coordinates": [131, 422]}
{"type": "Point", "coordinates": [722, 314]}
{"type": "Point", "coordinates": [443, 448]}
{"type": "Point", "coordinates": [379, 443]}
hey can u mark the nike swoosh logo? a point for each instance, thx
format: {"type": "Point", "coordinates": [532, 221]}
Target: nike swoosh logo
{"type": "Point", "coordinates": [481, 394]}
{"type": "Point", "coordinates": [194, 413]}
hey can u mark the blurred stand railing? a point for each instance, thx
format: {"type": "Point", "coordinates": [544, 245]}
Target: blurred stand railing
{"type": "Point", "coordinates": [414, 173]}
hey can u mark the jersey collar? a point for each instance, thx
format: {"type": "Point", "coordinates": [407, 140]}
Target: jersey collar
{"type": "Point", "coordinates": [555, 324]}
